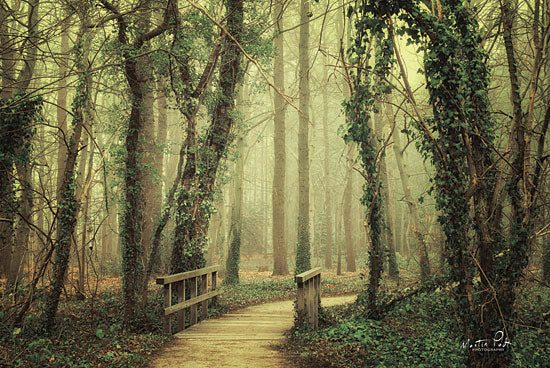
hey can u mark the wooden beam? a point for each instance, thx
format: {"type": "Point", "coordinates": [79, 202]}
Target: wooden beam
{"type": "Point", "coordinates": [191, 302]}
{"type": "Point", "coordinates": [304, 276]}
{"type": "Point", "coordinates": [167, 279]}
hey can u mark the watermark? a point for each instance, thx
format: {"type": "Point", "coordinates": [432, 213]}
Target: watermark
{"type": "Point", "coordinates": [498, 343]}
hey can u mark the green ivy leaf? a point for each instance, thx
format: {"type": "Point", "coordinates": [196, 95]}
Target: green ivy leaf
{"type": "Point", "coordinates": [100, 333]}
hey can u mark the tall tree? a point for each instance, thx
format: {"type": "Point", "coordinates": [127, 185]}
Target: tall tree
{"type": "Point", "coordinates": [385, 191]}
{"type": "Point", "coordinates": [236, 224]}
{"type": "Point", "coordinates": [303, 262]}
{"type": "Point", "coordinates": [280, 266]}
{"type": "Point", "coordinates": [326, 167]}
{"type": "Point", "coordinates": [132, 206]}
{"type": "Point", "coordinates": [199, 175]}
{"type": "Point", "coordinates": [414, 217]}
{"type": "Point", "coordinates": [15, 150]}
{"type": "Point", "coordinates": [69, 206]}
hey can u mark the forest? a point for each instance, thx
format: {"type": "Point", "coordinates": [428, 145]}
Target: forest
{"type": "Point", "coordinates": [400, 146]}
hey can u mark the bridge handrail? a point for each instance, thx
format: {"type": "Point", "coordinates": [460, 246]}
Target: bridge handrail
{"type": "Point", "coordinates": [196, 282]}
{"type": "Point", "coordinates": [162, 280]}
{"type": "Point", "coordinates": [309, 295]}
{"type": "Point", "coordinates": [304, 276]}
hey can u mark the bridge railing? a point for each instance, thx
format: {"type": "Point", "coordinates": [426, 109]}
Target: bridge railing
{"type": "Point", "coordinates": [309, 295]}
{"type": "Point", "coordinates": [201, 285]}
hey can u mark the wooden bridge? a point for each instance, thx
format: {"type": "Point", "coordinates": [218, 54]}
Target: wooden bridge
{"type": "Point", "coordinates": [245, 338]}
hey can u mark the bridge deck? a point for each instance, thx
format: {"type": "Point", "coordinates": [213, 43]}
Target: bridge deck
{"type": "Point", "coordinates": [244, 339]}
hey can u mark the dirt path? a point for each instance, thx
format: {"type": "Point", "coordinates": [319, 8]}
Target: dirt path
{"type": "Point", "coordinates": [243, 339]}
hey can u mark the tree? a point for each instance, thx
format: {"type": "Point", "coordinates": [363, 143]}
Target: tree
{"type": "Point", "coordinates": [326, 168]}
{"type": "Point", "coordinates": [68, 205]}
{"type": "Point", "coordinates": [388, 205]}
{"type": "Point", "coordinates": [132, 206]}
{"type": "Point", "coordinates": [346, 211]}
{"type": "Point", "coordinates": [14, 152]}
{"type": "Point", "coordinates": [199, 175]}
{"type": "Point", "coordinates": [459, 139]}
{"type": "Point", "coordinates": [280, 266]}
{"type": "Point", "coordinates": [303, 262]}
{"type": "Point", "coordinates": [236, 225]}
{"type": "Point", "coordinates": [411, 202]}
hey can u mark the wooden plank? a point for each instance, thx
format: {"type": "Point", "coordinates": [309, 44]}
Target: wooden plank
{"type": "Point", "coordinates": [181, 299]}
{"type": "Point", "coordinates": [204, 304]}
{"type": "Point", "coordinates": [167, 304]}
{"type": "Point", "coordinates": [193, 293]}
{"type": "Point", "coordinates": [304, 276]}
{"type": "Point", "coordinates": [162, 280]}
{"type": "Point", "coordinates": [214, 285]}
{"type": "Point", "coordinates": [311, 299]}
{"type": "Point", "coordinates": [190, 303]}
{"type": "Point", "coordinates": [300, 298]}
{"type": "Point", "coordinates": [316, 297]}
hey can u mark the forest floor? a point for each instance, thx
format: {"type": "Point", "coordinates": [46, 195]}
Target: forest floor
{"type": "Point", "coordinates": [249, 337]}
{"type": "Point", "coordinates": [89, 331]}
{"type": "Point", "coordinates": [420, 331]}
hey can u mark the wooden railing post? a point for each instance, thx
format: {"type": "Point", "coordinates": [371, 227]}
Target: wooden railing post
{"type": "Point", "coordinates": [300, 297]}
{"type": "Point", "coordinates": [167, 303]}
{"type": "Point", "coordinates": [309, 295]}
{"type": "Point", "coordinates": [204, 306]}
{"type": "Point", "coordinates": [214, 285]}
{"type": "Point", "coordinates": [181, 299]}
{"type": "Point", "coordinates": [192, 294]}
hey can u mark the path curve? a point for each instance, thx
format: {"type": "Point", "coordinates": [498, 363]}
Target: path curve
{"type": "Point", "coordinates": [246, 338]}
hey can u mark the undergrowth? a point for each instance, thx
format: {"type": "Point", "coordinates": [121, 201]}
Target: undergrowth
{"type": "Point", "coordinates": [419, 332]}
{"type": "Point", "coordinates": [88, 334]}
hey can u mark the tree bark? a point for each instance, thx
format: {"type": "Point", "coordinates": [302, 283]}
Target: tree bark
{"type": "Point", "coordinates": [347, 206]}
{"type": "Point", "coordinates": [326, 167]}
{"type": "Point", "coordinates": [235, 228]}
{"type": "Point", "coordinates": [303, 262]}
{"type": "Point", "coordinates": [151, 189]}
{"type": "Point", "coordinates": [414, 218]}
{"type": "Point", "coordinates": [280, 266]}
{"type": "Point", "coordinates": [10, 86]}
{"type": "Point", "coordinates": [385, 191]}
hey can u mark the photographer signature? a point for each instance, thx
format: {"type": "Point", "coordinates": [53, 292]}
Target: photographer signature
{"type": "Point", "coordinates": [497, 343]}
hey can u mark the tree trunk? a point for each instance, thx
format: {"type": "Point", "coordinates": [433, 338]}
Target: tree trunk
{"type": "Point", "coordinates": [235, 228]}
{"type": "Point", "coordinates": [339, 239]}
{"type": "Point", "coordinates": [68, 206]}
{"type": "Point", "coordinates": [280, 266]}
{"type": "Point", "coordinates": [385, 191]}
{"type": "Point", "coordinates": [347, 206]}
{"type": "Point", "coordinates": [10, 57]}
{"type": "Point", "coordinates": [22, 230]}
{"type": "Point", "coordinates": [326, 166]}
{"type": "Point", "coordinates": [61, 109]}
{"type": "Point", "coordinates": [303, 262]}
{"type": "Point", "coordinates": [86, 204]}
{"type": "Point", "coordinates": [414, 218]}
{"type": "Point", "coordinates": [198, 187]}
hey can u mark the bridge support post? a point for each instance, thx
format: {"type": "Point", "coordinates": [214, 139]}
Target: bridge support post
{"type": "Point", "coordinates": [309, 295]}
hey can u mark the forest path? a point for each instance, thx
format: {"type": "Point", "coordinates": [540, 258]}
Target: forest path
{"type": "Point", "coordinates": [246, 338]}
